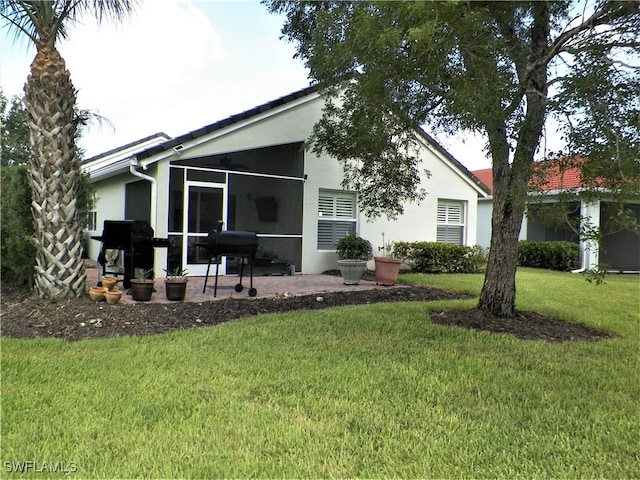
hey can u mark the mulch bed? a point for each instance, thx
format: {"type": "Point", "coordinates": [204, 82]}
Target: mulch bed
{"type": "Point", "coordinates": [25, 316]}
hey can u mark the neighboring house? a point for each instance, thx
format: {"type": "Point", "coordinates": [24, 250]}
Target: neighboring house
{"type": "Point", "coordinates": [620, 250]}
{"type": "Point", "coordinates": [252, 172]}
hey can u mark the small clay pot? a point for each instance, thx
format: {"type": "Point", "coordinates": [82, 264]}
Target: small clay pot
{"type": "Point", "coordinates": [113, 296]}
{"type": "Point", "coordinates": [109, 282]}
{"type": "Point", "coordinates": [97, 293]}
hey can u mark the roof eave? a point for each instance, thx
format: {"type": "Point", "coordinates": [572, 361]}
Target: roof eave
{"type": "Point", "coordinates": [109, 170]}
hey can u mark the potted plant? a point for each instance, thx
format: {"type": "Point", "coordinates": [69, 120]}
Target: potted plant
{"type": "Point", "coordinates": [387, 267]}
{"type": "Point", "coordinates": [353, 254]}
{"type": "Point", "coordinates": [175, 285]}
{"type": "Point", "coordinates": [142, 285]}
{"type": "Point", "coordinates": [113, 296]}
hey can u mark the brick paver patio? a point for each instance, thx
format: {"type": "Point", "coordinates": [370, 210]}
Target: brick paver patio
{"type": "Point", "coordinates": [266, 286]}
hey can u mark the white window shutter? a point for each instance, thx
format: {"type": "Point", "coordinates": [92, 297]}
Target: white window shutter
{"type": "Point", "coordinates": [325, 235]}
{"type": "Point", "coordinates": [345, 207]}
{"type": "Point", "coordinates": [325, 206]}
{"type": "Point", "coordinates": [454, 214]}
{"type": "Point", "coordinates": [336, 218]}
{"type": "Point", "coordinates": [442, 213]}
{"type": "Point", "coordinates": [450, 222]}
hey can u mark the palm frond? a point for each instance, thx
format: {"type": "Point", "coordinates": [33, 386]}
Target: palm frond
{"type": "Point", "coordinates": [49, 21]}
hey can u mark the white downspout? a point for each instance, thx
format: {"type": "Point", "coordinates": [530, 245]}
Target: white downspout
{"type": "Point", "coordinates": [584, 261]}
{"type": "Point", "coordinates": [590, 213]}
{"type": "Point", "coordinates": [154, 190]}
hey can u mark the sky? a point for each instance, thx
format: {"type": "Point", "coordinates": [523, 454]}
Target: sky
{"type": "Point", "coordinates": [178, 65]}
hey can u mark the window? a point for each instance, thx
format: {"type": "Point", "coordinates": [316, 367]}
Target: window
{"type": "Point", "coordinates": [91, 221]}
{"type": "Point", "coordinates": [336, 217]}
{"type": "Point", "coordinates": [450, 222]}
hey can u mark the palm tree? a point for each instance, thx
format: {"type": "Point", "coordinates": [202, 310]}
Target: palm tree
{"type": "Point", "coordinates": [54, 174]}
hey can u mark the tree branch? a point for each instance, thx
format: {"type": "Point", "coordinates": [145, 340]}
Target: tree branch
{"type": "Point", "coordinates": [560, 44]}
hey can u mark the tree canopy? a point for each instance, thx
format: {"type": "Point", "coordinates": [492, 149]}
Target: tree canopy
{"type": "Point", "coordinates": [15, 131]}
{"type": "Point", "coordinates": [500, 69]}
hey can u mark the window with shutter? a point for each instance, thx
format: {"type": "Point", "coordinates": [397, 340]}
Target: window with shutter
{"type": "Point", "coordinates": [92, 216]}
{"type": "Point", "coordinates": [336, 217]}
{"type": "Point", "coordinates": [450, 222]}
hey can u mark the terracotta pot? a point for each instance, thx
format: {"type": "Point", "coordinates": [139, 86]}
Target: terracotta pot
{"type": "Point", "coordinates": [109, 282]}
{"type": "Point", "coordinates": [175, 289]}
{"type": "Point", "coordinates": [113, 296]}
{"type": "Point", "coordinates": [141, 290]}
{"type": "Point", "coordinates": [97, 293]}
{"type": "Point", "coordinates": [387, 270]}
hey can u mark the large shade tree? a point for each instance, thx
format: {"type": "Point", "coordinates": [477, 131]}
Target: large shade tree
{"type": "Point", "coordinates": [54, 175]}
{"type": "Point", "coordinates": [500, 69]}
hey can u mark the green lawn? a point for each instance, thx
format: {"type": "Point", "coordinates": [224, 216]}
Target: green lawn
{"type": "Point", "coordinates": [364, 391]}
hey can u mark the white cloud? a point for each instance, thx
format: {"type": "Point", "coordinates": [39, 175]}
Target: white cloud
{"type": "Point", "coordinates": [134, 73]}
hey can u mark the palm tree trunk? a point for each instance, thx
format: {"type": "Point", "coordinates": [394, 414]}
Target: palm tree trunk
{"type": "Point", "coordinates": [54, 176]}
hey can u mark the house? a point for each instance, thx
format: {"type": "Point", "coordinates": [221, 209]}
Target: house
{"type": "Point", "coordinates": [619, 250]}
{"type": "Point", "coordinates": [251, 172]}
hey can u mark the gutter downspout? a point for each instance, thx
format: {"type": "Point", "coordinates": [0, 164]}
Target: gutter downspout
{"type": "Point", "coordinates": [590, 217]}
{"type": "Point", "coordinates": [585, 255]}
{"type": "Point", "coordinates": [134, 163]}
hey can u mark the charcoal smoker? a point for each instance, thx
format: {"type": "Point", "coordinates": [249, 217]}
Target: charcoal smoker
{"type": "Point", "coordinates": [233, 244]}
{"type": "Point", "coordinates": [135, 239]}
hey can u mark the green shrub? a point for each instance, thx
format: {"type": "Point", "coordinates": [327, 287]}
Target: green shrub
{"type": "Point", "coordinates": [433, 257]}
{"type": "Point", "coordinates": [354, 248]}
{"type": "Point", "coordinates": [17, 248]}
{"type": "Point", "coordinates": [562, 256]}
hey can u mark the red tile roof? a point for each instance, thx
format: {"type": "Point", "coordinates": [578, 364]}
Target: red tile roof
{"type": "Point", "coordinates": [486, 176]}
{"type": "Point", "coordinates": [557, 174]}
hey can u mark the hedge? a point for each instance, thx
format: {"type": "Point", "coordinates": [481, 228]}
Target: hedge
{"type": "Point", "coordinates": [17, 250]}
{"type": "Point", "coordinates": [432, 257]}
{"type": "Point", "coordinates": [561, 256]}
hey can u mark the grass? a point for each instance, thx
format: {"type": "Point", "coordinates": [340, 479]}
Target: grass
{"type": "Point", "coordinates": [364, 391]}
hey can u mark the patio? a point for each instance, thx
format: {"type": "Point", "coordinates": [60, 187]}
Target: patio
{"type": "Point", "coordinates": [267, 286]}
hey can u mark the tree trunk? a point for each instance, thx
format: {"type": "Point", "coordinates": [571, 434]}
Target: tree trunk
{"type": "Point", "coordinates": [510, 182]}
{"type": "Point", "coordinates": [498, 296]}
{"type": "Point", "coordinates": [54, 176]}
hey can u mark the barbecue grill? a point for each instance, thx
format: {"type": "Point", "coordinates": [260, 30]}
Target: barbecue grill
{"type": "Point", "coordinates": [231, 243]}
{"type": "Point", "coordinates": [135, 239]}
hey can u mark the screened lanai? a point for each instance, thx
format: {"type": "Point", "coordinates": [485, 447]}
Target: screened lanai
{"type": "Point", "coordinates": [259, 190]}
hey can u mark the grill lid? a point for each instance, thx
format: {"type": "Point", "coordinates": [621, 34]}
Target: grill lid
{"type": "Point", "coordinates": [232, 242]}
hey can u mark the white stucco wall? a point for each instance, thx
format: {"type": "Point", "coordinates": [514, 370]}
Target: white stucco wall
{"type": "Point", "coordinates": [324, 173]}
{"type": "Point", "coordinates": [419, 221]}
{"type": "Point", "coordinates": [274, 127]}
{"type": "Point", "coordinates": [485, 209]}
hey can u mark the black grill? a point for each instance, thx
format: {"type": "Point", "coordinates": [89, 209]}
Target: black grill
{"type": "Point", "coordinates": [135, 239]}
{"type": "Point", "coordinates": [230, 243]}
